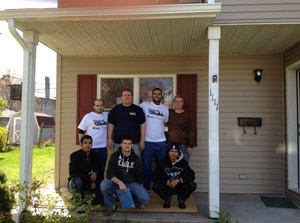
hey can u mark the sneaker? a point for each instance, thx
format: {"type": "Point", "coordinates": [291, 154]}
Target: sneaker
{"type": "Point", "coordinates": [181, 203]}
{"type": "Point", "coordinates": [80, 210]}
{"type": "Point", "coordinates": [167, 203]}
{"type": "Point", "coordinates": [111, 211]}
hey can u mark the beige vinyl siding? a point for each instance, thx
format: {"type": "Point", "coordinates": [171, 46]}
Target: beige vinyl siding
{"type": "Point", "coordinates": [259, 156]}
{"type": "Point", "coordinates": [291, 56]}
{"type": "Point", "coordinates": [258, 12]}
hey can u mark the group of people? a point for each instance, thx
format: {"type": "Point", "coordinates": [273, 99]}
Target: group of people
{"type": "Point", "coordinates": [136, 134]}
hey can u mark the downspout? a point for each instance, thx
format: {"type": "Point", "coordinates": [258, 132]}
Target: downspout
{"type": "Point", "coordinates": [16, 35]}
{"type": "Point", "coordinates": [27, 54]}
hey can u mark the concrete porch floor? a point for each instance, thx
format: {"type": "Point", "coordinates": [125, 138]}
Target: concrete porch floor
{"type": "Point", "coordinates": [243, 208]}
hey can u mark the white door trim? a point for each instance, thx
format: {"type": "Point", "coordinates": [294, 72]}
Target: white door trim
{"type": "Point", "coordinates": [292, 126]}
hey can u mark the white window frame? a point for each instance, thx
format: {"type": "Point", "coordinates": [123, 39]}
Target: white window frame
{"type": "Point", "coordinates": [136, 82]}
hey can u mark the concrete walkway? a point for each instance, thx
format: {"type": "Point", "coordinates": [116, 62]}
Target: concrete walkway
{"type": "Point", "coordinates": [243, 209]}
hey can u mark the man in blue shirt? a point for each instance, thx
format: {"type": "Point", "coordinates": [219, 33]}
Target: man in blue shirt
{"type": "Point", "coordinates": [126, 119]}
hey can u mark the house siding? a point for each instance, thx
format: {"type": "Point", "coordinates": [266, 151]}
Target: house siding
{"type": "Point", "coordinates": [259, 156]}
{"type": "Point", "coordinates": [258, 11]}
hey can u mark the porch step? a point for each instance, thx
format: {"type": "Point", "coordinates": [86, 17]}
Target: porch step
{"type": "Point", "coordinates": [132, 217]}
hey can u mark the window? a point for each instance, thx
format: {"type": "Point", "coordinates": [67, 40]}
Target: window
{"type": "Point", "coordinates": [111, 86]}
{"type": "Point", "coordinates": [111, 89]}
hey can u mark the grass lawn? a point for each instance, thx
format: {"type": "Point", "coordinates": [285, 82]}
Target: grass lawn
{"type": "Point", "coordinates": [42, 164]}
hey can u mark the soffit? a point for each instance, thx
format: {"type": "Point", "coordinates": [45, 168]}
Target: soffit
{"type": "Point", "coordinates": [166, 31]}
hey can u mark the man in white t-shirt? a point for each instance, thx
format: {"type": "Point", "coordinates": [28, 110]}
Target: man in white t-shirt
{"type": "Point", "coordinates": [155, 140]}
{"type": "Point", "coordinates": [95, 125]}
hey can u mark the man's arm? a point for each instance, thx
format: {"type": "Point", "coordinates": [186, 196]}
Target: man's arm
{"type": "Point", "coordinates": [143, 133]}
{"type": "Point", "coordinates": [122, 186]}
{"type": "Point", "coordinates": [110, 130]}
{"type": "Point", "coordinates": [80, 134]}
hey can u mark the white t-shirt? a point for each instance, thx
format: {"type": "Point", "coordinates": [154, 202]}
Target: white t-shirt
{"type": "Point", "coordinates": [95, 126]}
{"type": "Point", "coordinates": [156, 116]}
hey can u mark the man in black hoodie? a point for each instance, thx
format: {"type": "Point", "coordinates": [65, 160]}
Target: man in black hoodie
{"type": "Point", "coordinates": [124, 170]}
{"type": "Point", "coordinates": [83, 170]}
{"type": "Point", "coordinates": [174, 176]}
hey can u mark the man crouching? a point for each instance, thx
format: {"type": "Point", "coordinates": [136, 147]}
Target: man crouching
{"type": "Point", "coordinates": [124, 170]}
{"type": "Point", "coordinates": [174, 176]}
{"type": "Point", "coordinates": [83, 169]}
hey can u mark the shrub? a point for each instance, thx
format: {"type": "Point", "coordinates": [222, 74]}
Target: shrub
{"type": "Point", "coordinates": [3, 138]}
{"type": "Point", "coordinates": [7, 198]}
{"type": "Point", "coordinates": [40, 208]}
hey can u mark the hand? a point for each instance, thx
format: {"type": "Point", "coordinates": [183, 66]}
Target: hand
{"type": "Point", "coordinates": [110, 144]}
{"type": "Point", "coordinates": [174, 183]}
{"type": "Point", "coordinates": [122, 187]}
{"type": "Point", "coordinates": [189, 150]}
{"type": "Point", "coordinates": [142, 207]}
{"type": "Point", "coordinates": [142, 145]}
{"type": "Point", "coordinates": [93, 175]}
{"type": "Point", "coordinates": [93, 185]}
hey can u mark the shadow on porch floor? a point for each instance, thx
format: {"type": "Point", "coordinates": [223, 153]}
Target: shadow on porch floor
{"type": "Point", "coordinates": [242, 207]}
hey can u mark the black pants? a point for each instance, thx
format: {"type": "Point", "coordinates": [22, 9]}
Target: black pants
{"type": "Point", "coordinates": [183, 190]}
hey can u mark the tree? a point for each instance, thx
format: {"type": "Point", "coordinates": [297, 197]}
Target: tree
{"type": "Point", "coordinates": [3, 105]}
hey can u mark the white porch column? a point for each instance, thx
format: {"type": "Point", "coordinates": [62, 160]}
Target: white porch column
{"type": "Point", "coordinates": [214, 35]}
{"type": "Point", "coordinates": [28, 42]}
{"type": "Point", "coordinates": [28, 90]}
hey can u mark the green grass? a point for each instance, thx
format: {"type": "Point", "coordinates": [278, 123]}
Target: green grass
{"type": "Point", "coordinates": [42, 164]}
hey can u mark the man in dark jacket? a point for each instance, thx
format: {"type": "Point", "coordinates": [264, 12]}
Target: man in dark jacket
{"type": "Point", "coordinates": [83, 170]}
{"type": "Point", "coordinates": [124, 170]}
{"type": "Point", "coordinates": [174, 176]}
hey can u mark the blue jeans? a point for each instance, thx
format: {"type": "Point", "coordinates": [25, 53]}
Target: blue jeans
{"type": "Point", "coordinates": [156, 149]}
{"type": "Point", "coordinates": [183, 149]}
{"type": "Point", "coordinates": [138, 192]}
{"type": "Point", "coordinates": [77, 186]}
{"type": "Point", "coordinates": [135, 148]}
{"type": "Point", "coordinates": [102, 156]}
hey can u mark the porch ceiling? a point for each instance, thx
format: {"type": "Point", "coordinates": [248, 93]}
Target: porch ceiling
{"type": "Point", "coordinates": [175, 30]}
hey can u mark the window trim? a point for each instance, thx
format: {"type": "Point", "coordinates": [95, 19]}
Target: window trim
{"type": "Point", "coordinates": [136, 82]}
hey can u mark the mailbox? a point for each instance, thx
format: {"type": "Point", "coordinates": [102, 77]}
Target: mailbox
{"type": "Point", "coordinates": [249, 121]}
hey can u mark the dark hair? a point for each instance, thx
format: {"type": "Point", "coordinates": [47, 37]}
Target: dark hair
{"type": "Point", "coordinates": [156, 89]}
{"type": "Point", "coordinates": [86, 137]}
{"type": "Point", "coordinates": [99, 100]}
{"type": "Point", "coordinates": [127, 89]}
{"type": "Point", "coordinates": [126, 138]}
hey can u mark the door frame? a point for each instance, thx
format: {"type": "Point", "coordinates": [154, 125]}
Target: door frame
{"type": "Point", "coordinates": [292, 127]}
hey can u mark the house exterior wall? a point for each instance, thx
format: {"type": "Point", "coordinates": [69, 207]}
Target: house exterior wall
{"type": "Point", "coordinates": [259, 156]}
{"type": "Point", "coordinates": [258, 11]}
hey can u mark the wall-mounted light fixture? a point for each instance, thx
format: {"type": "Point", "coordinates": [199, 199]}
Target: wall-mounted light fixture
{"type": "Point", "coordinates": [257, 75]}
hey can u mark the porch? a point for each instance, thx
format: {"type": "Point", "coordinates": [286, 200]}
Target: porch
{"type": "Point", "coordinates": [244, 208]}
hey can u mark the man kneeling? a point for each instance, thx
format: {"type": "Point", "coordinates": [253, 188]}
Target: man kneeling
{"type": "Point", "coordinates": [84, 169]}
{"type": "Point", "coordinates": [174, 176]}
{"type": "Point", "coordinates": [124, 170]}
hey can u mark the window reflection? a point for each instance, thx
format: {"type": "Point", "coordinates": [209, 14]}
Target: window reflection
{"type": "Point", "coordinates": [111, 89]}
{"type": "Point", "coordinates": [165, 84]}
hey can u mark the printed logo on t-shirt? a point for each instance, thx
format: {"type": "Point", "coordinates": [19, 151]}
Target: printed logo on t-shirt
{"type": "Point", "coordinates": [99, 124]}
{"type": "Point", "coordinates": [174, 172]}
{"type": "Point", "coordinates": [155, 112]}
{"type": "Point", "coordinates": [125, 164]}
{"type": "Point", "coordinates": [132, 113]}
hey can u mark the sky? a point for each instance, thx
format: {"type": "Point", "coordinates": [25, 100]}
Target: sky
{"type": "Point", "coordinates": [11, 53]}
